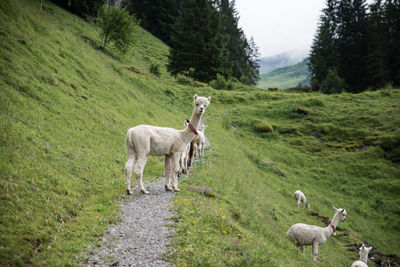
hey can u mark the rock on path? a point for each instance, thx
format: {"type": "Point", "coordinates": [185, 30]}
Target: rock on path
{"type": "Point", "coordinates": [142, 235]}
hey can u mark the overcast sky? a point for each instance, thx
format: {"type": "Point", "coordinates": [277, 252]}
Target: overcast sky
{"type": "Point", "coordinates": [280, 25]}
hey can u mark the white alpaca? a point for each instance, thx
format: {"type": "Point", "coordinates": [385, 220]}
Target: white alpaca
{"type": "Point", "coordinates": [183, 160]}
{"type": "Point", "coordinates": [201, 140]}
{"type": "Point", "coordinates": [363, 257]}
{"type": "Point", "coordinates": [300, 197]}
{"type": "Point", "coordinates": [305, 235]}
{"type": "Point", "coordinates": [144, 140]}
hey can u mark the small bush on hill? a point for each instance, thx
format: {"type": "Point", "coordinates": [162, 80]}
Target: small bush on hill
{"type": "Point", "coordinates": [332, 84]}
{"type": "Point", "coordinates": [263, 127]}
{"type": "Point", "coordinates": [117, 26]}
{"type": "Point", "coordinates": [155, 69]}
{"type": "Point", "coordinates": [219, 83]}
{"type": "Point", "coordinates": [183, 79]}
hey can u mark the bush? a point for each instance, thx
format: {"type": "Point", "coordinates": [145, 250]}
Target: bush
{"type": "Point", "coordinates": [117, 26]}
{"type": "Point", "coordinates": [332, 84]}
{"type": "Point", "coordinates": [263, 127]}
{"type": "Point", "coordinates": [155, 69]}
{"type": "Point", "coordinates": [183, 79]}
{"type": "Point", "coordinates": [219, 83]}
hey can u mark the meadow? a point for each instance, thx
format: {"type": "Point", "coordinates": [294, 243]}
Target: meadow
{"type": "Point", "coordinates": [65, 107]}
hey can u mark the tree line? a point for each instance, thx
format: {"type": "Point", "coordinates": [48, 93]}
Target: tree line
{"type": "Point", "coordinates": [356, 46]}
{"type": "Point", "coordinates": [206, 42]}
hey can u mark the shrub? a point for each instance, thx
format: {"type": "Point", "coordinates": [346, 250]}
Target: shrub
{"type": "Point", "coordinates": [263, 127]}
{"type": "Point", "coordinates": [155, 69]}
{"type": "Point", "coordinates": [332, 84]}
{"type": "Point", "coordinates": [219, 83]}
{"type": "Point", "coordinates": [117, 26]}
{"type": "Point", "coordinates": [183, 79]}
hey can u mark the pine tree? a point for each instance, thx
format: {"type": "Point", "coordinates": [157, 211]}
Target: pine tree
{"type": "Point", "coordinates": [392, 16]}
{"type": "Point", "coordinates": [377, 36]}
{"type": "Point", "coordinates": [156, 16]}
{"type": "Point", "coordinates": [351, 43]}
{"type": "Point", "coordinates": [323, 54]}
{"type": "Point", "coordinates": [197, 44]}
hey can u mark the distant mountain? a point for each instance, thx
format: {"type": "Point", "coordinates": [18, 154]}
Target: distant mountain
{"type": "Point", "coordinates": [286, 77]}
{"type": "Point", "coordinates": [271, 63]}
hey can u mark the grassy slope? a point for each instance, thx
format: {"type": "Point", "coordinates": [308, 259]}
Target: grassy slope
{"type": "Point", "coordinates": [65, 107]}
{"type": "Point", "coordinates": [286, 77]}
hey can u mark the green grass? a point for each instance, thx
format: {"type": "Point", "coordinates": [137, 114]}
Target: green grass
{"type": "Point", "coordinates": [65, 107]}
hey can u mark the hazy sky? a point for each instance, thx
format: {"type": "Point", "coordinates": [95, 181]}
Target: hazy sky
{"type": "Point", "coordinates": [280, 25]}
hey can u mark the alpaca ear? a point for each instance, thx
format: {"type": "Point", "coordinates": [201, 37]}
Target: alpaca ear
{"type": "Point", "coordinates": [209, 99]}
{"type": "Point", "coordinates": [369, 249]}
{"type": "Point", "coordinates": [195, 96]}
{"type": "Point", "coordinates": [334, 208]}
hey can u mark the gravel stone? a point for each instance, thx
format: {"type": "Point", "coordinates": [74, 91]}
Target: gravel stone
{"type": "Point", "coordinates": [142, 235]}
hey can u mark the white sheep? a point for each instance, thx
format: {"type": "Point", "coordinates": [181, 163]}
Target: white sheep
{"type": "Point", "coordinates": [300, 197]}
{"type": "Point", "coordinates": [305, 235]}
{"type": "Point", "coordinates": [363, 257]}
{"type": "Point", "coordinates": [144, 140]}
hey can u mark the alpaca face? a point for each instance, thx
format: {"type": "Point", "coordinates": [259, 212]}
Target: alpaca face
{"type": "Point", "coordinates": [364, 250]}
{"type": "Point", "coordinates": [342, 214]}
{"type": "Point", "coordinates": [200, 104]}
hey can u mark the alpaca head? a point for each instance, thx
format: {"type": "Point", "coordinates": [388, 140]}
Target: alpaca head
{"type": "Point", "coordinates": [363, 251]}
{"type": "Point", "coordinates": [202, 127]}
{"type": "Point", "coordinates": [200, 104]}
{"type": "Point", "coordinates": [341, 213]}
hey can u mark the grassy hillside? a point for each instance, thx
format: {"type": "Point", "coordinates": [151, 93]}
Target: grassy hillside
{"type": "Point", "coordinates": [286, 77]}
{"type": "Point", "coordinates": [65, 107]}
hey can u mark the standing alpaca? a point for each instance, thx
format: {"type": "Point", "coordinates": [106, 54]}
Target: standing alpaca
{"type": "Point", "coordinates": [201, 140]}
{"type": "Point", "coordinates": [300, 197]}
{"type": "Point", "coordinates": [144, 140]}
{"type": "Point", "coordinates": [183, 160]}
{"type": "Point", "coordinates": [363, 257]}
{"type": "Point", "coordinates": [305, 235]}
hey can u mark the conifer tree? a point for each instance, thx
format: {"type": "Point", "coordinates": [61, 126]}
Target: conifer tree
{"type": "Point", "coordinates": [351, 43]}
{"type": "Point", "coordinates": [197, 44]}
{"type": "Point", "coordinates": [392, 16]}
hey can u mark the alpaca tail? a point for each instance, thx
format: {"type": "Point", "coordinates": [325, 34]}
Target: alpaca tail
{"type": "Point", "coordinates": [128, 140]}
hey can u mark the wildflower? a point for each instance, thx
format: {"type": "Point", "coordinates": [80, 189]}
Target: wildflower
{"type": "Point", "coordinates": [204, 231]}
{"type": "Point", "coordinates": [223, 217]}
{"type": "Point", "coordinates": [225, 232]}
{"type": "Point", "coordinates": [194, 222]}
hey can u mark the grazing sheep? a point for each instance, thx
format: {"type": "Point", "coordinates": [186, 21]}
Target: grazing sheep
{"type": "Point", "coordinates": [363, 257]}
{"type": "Point", "coordinates": [305, 235]}
{"type": "Point", "coordinates": [300, 197]}
{"type": "Point", "coordinates": [144, 140]}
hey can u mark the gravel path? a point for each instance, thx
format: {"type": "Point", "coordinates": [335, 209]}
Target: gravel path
{"type": "Point", "coordinates": [142, 235]}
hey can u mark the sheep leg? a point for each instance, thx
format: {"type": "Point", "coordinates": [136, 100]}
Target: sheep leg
{"type": "Point", "coordinates": [129, 168]}
{"type": "Point", "coordinates": [138, 171]}
{"type": "Point", "coordinates": [315, 250]}
{"type": "Point", "coordinates": [167, 171]}
{"type": "Point", "coordinates": [175, 168]}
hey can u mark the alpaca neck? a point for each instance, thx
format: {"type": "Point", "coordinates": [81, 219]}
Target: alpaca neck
{"type": "Point", "coordinates": [332, 225]}
{"type": "Point", "coordinates": [188, 134]}
{"type": "Point", "coordinates": [364, 257]}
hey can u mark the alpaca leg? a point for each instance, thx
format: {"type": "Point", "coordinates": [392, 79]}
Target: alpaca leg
{"type": "Point", "coordinates": [175, 167]}
{"type": "Point", "coordinates": [138, 171]}
{"type": "Point", "coordinates": [315, 250]}
{"type": "Point", "coordinates": [167, 171]}
{"type": "Point", "coordinates": [302, 249]}
{"type": "Point", "coordinates": [129, 167]}
{"type": "Point", "coordinates": [298, 203]}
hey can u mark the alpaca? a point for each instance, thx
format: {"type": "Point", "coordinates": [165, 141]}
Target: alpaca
{"type": "Point", "coordinates": [201, 140]}
{"type": "Point", "coordinates": [363, 257]}
{"type": "Point", "coordinates": [305, 235]}
{"type": "Point", "coordinates": [144, 140]}
{"type": "Point", "coordinates": [183, 160]}
{"type": "Point", "coordinates": [300, 197]}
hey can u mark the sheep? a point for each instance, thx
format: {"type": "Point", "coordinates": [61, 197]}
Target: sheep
{"type": "Point", "coordinates": [144, 140]}
{"type": "Point", "coordinates": [300, 197]}
{"type": "Point", "coordinates": [363, 257]}
{"type": "Point", "coordinates": [305, 235]}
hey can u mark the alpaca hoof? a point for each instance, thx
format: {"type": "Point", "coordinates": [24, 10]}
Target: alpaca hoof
{"type": "Point", "coordinates": [129, 192]}
{"type": "Point", "coordinates": [177, 189]}
{"type": "Point", "coordinates": [167, 188]}
{"type": "Point", "coordinates": [145, 192]}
